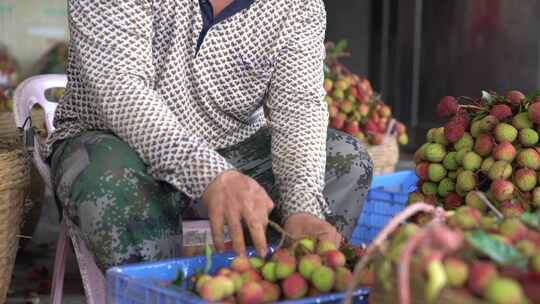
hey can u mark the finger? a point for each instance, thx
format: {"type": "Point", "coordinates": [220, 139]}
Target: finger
{"type": "Point", "coordinates": [257, 232]}
{"type": "Point", "coordinates": [236, 232]}
{"type": "Point", "coordinates": [217, 227]}
{"type": "Point", "coordinates": [265, 200]}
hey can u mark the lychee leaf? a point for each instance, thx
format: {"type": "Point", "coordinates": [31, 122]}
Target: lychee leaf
{"type": "Point", "coordinates": [533, 94]}
{"type": "Point", "coordinates": [488, 97]}
{"type": "Point", "coordinates": [208, 254]}
{"type": "Point", "coordinates": [531, 219]}
{"type": "Point", "coordinates": [496, 250]}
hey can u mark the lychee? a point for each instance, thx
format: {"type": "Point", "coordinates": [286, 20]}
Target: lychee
{"type": "Point", "coordinates": [486, 165]}
{"type": "Point", "coordinates": [217, 289]}
{"type": "Point", "coordinates": [513, 229]}
{"type": "Point", "coordinates": [376, 138]}
{"type": "Point", "coordinates": [271, 292]}
{"type": "Point", "coordinates": [452, 175]}
{"type": "Point", "coordinates": [445, 187]}
{"type": "Point", "coordinates": [338, 121]}
{"type": "Point", "coordinates": [462, 117]}
{"type": "Point", "coordinates": [351, 127]}
{"type": "Point", "coordinates": [256, 262]}
{"type": "Point", "coordinates": [471, 161]}
{"type": "Point", "coordinates": [453, 131]}
{"type": "Point", "coordinates": [521, 121]}
{"type": "Point", "coordinates": [286, 265]}
{"type": "Point", "coordinates": [529, 158]}
{"type": "Point", "coordinates": [528, 137]}
{"type": "Point", "coordinates": [534, 112]}
{"type": "Point", "coordinates": [480, 275]}
{"type": "Point", "coordinates": [526, 248]}
{"type": "Point", "coordinates": [237, 279]}
{"type": "Point", "coordinates": [535, 262]}
{"type": "Point", "coordinates": [422, 171]}
{"type": "Point", "coordinates": [438, 136]}
{"type": "Point", "coordinates": [436, 172]}
{"type": "Point", "coordinates": [414, 198]}
{"type": "Point", "coordinates": [500, 170]}
{"type": "Point", "coordinates": [489, 223]}
{"type": "Point", "coordinates": [473, 200]}
{"type": "Point", "coordinates": [240, 264]}
{"type": "Point", "coordinates": [504, 291]}
{"type": "Point", "coordinates": [510, 209]}
{"type": "Point", "coordinates": [457, 271]}
{"type": "Point", "coordinates": [488, 123]}
{"type": "Point", "coordinates": [250, 275]}
{"type": "Point", "coordinates": [250, 293]}
{"type": "Point", "coordinates": [447, 107]}
{"type": "Point", "coordinates": [403, 139]}
{"type": "Point", "coordinates": [450, 162]}
{"type": "Point", "coordinates": [338, 95]}
{"type": "Point", "coordinates": [363, 109]}
{"type": "Point", "coordinates": [466, 180]}
{"type": "Point", "coordinates": [323, 278]}
{"type": "Point", "coordinates": [268, 272]}
{"type": "Point", "coordinates": [429, 188]}
{"type": "Point", "coordinates": [505, 133]}
{"type": "Point", "coordinates": [308, 263]}
{"type": "Point", "coordinates": [525, 179]}
{"type": "Point", "coordinates": [224, 272]}
{"type": "Point", "coordinates": [460, 154]}
{"type": "Point", "coordinates": [306, 245]}
{"type": "Point", "coordinates": [515, 98]}
{"type": "Point", "coordinates": [502, 189]}
{"type": "Point", "coordinates": [483, 144]}
{"type": "Point", "coordinates": [434, 152]}
{"type": "Point", "coordinates": [334, 259]}
{"type": "Point", "coordinates": [467, 218]}
{"type": "Point", "coordinates": [294, 286]}
{"type": "Point", "coordinates": [343, 278]}
{"type": "Point", "coordinates": [328, 85]}
{"type": "Point", "coordinates": [536, 197]}
{"type": "Point", "coordinates": [201, 281]}
{"type": "Point", "coordinates": [501, 111]}
{"type": "Point", "coordinates": [465, 142]}
{"type": "Point", "coordinates": [452, 201]}
{"type": "Point", "coordinates": [324, 246]}
{"type": "Point", "coordinates": [504, 151]}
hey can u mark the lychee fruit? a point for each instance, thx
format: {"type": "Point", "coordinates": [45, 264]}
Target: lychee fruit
{"type": "Point", "coordinates": [513, 229]}
{"type": "Point", "coordinates": [450, 162]}
{"type": "Point", "coordinates": [526, 248]}
{"type": "Point", "coordinates": [473, 200]}
{"type": "Point", "coordinates": [294, 286]}
{"type": "Point", "coordinates": [436, 172]}
{"type": "Point", "coordinates": [488, 223]}
{"type": "Point", "coordinates": [237, 279]}
{"type": "Point", "coordinates": [510, 209]}
{"type": "Point", "coordinates": [338, 95]}
{"type": "Point", "coordinates": [201, 281]}
{"type": "Point", "coordinates": [268, 272]}
{"type": "Point", "coordinates": [535, 262]}
{"type": "Point", "coordinates": [534, 112]}
{"type": "Point", "coordinates": [308, 264]}
{"type": "Point", "coordinates": [501, 111]}
{"type": "Point", "coordinates": [328, 85]}
{"type": "Point", "coordinates": [500, 170]}
{"type": "Point", "coordinates": [457, 271]}
{"type": "Point", "coordinates": [438, 136]}
{"type": "Point", "coordinates": [453, 131]}
{"type": "Point", "coordinates": [343, 278]}
{"type": "Point", "coordinates": [483, 145]}
{"type": "Point", "coordinates": [338, 121]}
{"type": "Point", "coordinates": [305, 246]}
{"type": "Point", "coordinates": [460, 154]}
{"type": "Point", "coordinates": [376, 138]}
{"type": "Point", "coordinates": [502, 190]}
{"type": "Point", "coordinates": [256, 263]}
{"type": "Point", "coordinates": [452, 201]}
{"type": "Point", "coordinates": [240, 264]}
{"type": "Point", "coordinates": [351, 127]}
{"type": "Point", "coordinates": [465, 142]}
{"type": "Point", "coordinates": [471, 161]}
{"type": "Point", "coordinates": [422, 171]}
{"type": "Point", "coordinates": [504, 291]}
{"type": "Point", "coordinates": [528, 137]}
{"type": "Point", "coordinates": [429, 188]}
{"type": "Point", "coordinates": [447, 107]}
{"type": "Point", "coordinates": [467, 218]}
{"type": "Point", "coordinates": [536, 197]}
{"type": "Point", "coordinates": [371, 126]}
{"type": "Point", "coordinates": [250, 275]}
{"type": "Point", "coordinates": [445, 187]}
{"type": "Point", "coordinates": [403, 139]}
{"type": "Point", "coordinates": [504, 151]}
{"type": "Point", "coordinates": [224, 272]}
{"type": "Point", "coordinates": [505, 133]}
{"type": "Point", "coordinates": [334, 259]}
{"type": "Point", "coordinates": [271, 292]}
{"type": "Point", "coordinates": [286, 265]}
{"type": "Point", "coordinates": [529, 158]}
{"type": "Point", "coordinates": [251, 293]}
{"type": "Point", "coordinates": [323, 278]}
{"type": "Point", "coordinates": [462, 117]}
{"type": "Point", "coordinates": [466, 180]}
{"type": "Point", "coordinates": [486, 165]}
{"type": "Point", "coordinates": [488, 123]}
{"type": "Point", "coordinates": [480, 275]}
{"type": "Point", "coordinates": [452, 175]}
{"type": "Point", "coordinates": [521, 121]}
{"type": "Point", "coordinates": [434, 153]}
{"type": "Point", "coordinates": [324, 246]}
{"type": "Point", "coordinates": [414, 198]}
{"type": "Point", "coordinates": [475, 129]}
{"type": "Point", "coordinates": [525, 179]}
{"type": "Point", "coordinates": [515, 98]}
{"type": "Point", "coordinates": [217, 289]}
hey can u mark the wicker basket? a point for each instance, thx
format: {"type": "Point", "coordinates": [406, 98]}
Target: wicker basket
{"type": "Point", "coordinates": [8, 129]}
{"type": "Point", "coordinates": [385, 157]}
{"type": "Point", "coordinates": [14, 182]}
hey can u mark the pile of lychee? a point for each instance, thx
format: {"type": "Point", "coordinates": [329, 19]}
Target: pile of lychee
{"type": "Point", "coordinates": [354, 108]}
{"type": "Point", "coordinates": [490, 144]}
{"type": "Point", "coordinates": [307, 269]}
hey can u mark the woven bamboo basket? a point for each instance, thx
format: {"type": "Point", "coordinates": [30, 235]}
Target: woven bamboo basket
{"type": "Point", "coordinates": [14, 183]}
{"type": "Point", "coordinates": [8, 129]}
{"type": "Point", "coordinates": [385, 157]}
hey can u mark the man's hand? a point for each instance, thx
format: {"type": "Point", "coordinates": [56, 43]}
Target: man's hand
{"type": "Point", "coordinates": [303, 224]}
{"type": "Point", "coordinates": [232, 198]}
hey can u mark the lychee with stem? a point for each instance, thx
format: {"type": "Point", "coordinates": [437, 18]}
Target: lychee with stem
{"type": "Point", "coordinates": [343, 278]}
{"type": "Point", "coordinates": [450, 162]}
{"type": "Point", "coordinates": [294, 287]}
{"type": "Point", "coordinates": [250, 293]}
{"type": "Point", "coordinates": [466, 180]}
{"type": "Point", "coordinates": [271, 292]}
{"type": "Point", "coordinates": [473, 200]}
{"type": "Point", "coordinates": [434, 153]}
{"type": "Point", "coordinates": [502, 190]}
{"type": "Point", "coordinates": [500, 170]}
{"type": "Point", "coordinates": [334, 259]}
{"type": "Point", "coordinates": [483, 145]}
{"type": "Point", "coordinates": [480, 275]}
{"type": "Point", "coordinates": [501, 111]}
{"type": "Point", "coordinates": [505, 151]}
{"type": "Point", "coordinates": [528, 137]}
{"type": "Point", "coordinates": [504, 291]}
{"type": "Point", "coordinates": [505, 133]}
{"type": "Point", "coordinates": [308, 264]}
{"type": "Point", "coordinates": [465, 142]}
{"type": "Point", "coordinates": [445, 187]}
{"type": "Point", "coordinates": [268, 272]}
{"type": "Point", "coordinates": [436, 172]}
{"type": "Point", "coordinates": [457, 271]}
{"type": "Point", "coordinates": [529, 158]}
{"type": "Point", "coordinates": [471, 161]}
{"type": "Point", "coordinates": [525, 179]}
{"type": "Point", "coordinates": [521, 121]}
{"type": "Point", "coordinates": [323, 278]}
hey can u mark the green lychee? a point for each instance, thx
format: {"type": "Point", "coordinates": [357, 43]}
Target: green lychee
{"type": "Point", "coordinates": [536, 197]}
{"type": "Point", "coordinates": [473, 200]}
{"type": "Point", "coordinates": [488, 123]}
{"type": "Point", "coordinates": [430, 135]}
{"type": "Point", "coordinates": [446, 186]}
{"type": "Point", "coordinates": [450, 162]}
{"type": "Point", "coordinates": [513, 229]}
{"type": "Point", "coordinates": [250, 275]}
{"type": "Point", "coordinates": [467, 218]}
{"type": "Point", "coordinates": [475, 128]}
{"type": "Point", "coordinates": [457, 271]}
{"type": "Point", "coordinates": [465, 142]}
{"type": "Point", "coordinates": [505, 133]}
{"type": "Point", "coordinates": [489, 223]}
{"type": "Point", "coordinates": [343, 278]}
{"type": "Point", "coordinates": [436, 172]}
{"type": "Point", "coordinates": [286, 265]}
{"type": "Point", "coordinates": [438, 136]}
{"type": "Point", "coordinates": [256, 262]}
{"type": "Point", "coordinates": [268, 272]}
{"type": "Point", "coordinates": [460, 154]}
{"type": "Point", "coordinates": [529, 158]}
{"type": "Point", "coordinates": [434, 153]}
{"type": "Point", "coordinates": [525, 179]}
{"type": "Point", "coordinates": [201, 281]}
{"type": "Point", "coordinates": [305, 246]}
{"type": "Point", "coordinates": [323, 278]}
{"type": "Point", "coordinates": [528, 137]}
{"type": "Point", "coordinates": [240, 264]}
{"type": "Point", "coordinates": [504, 291]}
{"type": "Point", "coordinates": [429, 188]}
{"type": "Point", "coordinates": [415, 197]}
{"type": "Point", "coordinates": [216, 289]}
{"type": "Point", "coordinates": [486, 165]}
{"type": "Point", "coordinates": [466, 180]}
{"type": "Point", "coordinates": [500, 170]}
{"type": "Point", "coordinates": [522, 121]}
{"type": "Point", "coordinates": [324, 246]}
{"type": "Point", "coordinates": [526, 248]}
{"type": "Point", "coordinates": [307, 265]}
{"type": "Point", "coordinates": [472, 161]}
{"type": "Point", "coordinates": [535, 262]}
{"type": "Point", "coordinates": [452, 175]}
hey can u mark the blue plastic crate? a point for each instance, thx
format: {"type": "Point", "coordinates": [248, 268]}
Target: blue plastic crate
{"type": "Point", "coordinates": [387, 196]}
{"type": "Point", "coordinates": [147, 283]}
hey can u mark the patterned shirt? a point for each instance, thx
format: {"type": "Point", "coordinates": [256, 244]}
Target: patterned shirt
{"type": "Point", "coordinates": [145, 71]}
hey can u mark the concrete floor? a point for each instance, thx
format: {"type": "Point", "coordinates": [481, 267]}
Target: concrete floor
{"type": "Point", "coordinates": [34, 265]}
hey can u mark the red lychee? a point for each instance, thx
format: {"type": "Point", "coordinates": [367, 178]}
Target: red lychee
{"type": "Point", "coordinates": [251, 293]}
{"type": "Point", "coordinates": [422, 171]}
{"type": "Point", "coordinates": [501, 111]}
{"type": "Point", "coordinates": [271, 292]}
{"type": "Point", "coordinates": [511, 209]}
{"type": "Point", "coordinates": [504, 151]}
{"type": "Point", "coordinates": [334, 259]}
{"type": "Point", "coordinates": [447, 107]}
{"type": "Point", "coordinates": [502, 190]}
{"type": "Point", "coordinates": [338, 121]}
{"type": "Point", "coordinates": [343, 278]}
{"type": "Point", "coordinates": [515, 97]}
{"type": "Point", "coordinates": [351, 127]}
{"type": "Point", "coordinates": [452, 201]}
{"type": "Point", "coordinates": [240, 264]}
{"type": "Point", "coordinates": [534, 112]}
{"type": "Point", "coordinates": [480, 275]}
{"type": "Point", "coordinates": [483, 145]}
{"type": "Point", "coordinates": [294, 287]}
{"type": "Point", "coordinates": [453, 131]}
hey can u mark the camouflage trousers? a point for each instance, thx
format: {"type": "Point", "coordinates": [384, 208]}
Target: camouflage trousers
{"type": "Point", "coordinates": [127, 216]}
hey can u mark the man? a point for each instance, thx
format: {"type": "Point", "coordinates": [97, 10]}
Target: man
{"type": "Point", "coordinates": [195, 108]}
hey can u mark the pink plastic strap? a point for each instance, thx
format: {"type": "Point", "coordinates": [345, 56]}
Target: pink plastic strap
{"type": "Point", "coordinates": [62, 249]}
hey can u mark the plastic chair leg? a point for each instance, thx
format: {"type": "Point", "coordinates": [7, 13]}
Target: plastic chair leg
{"type": "Point", "coordinates": [62, 250]}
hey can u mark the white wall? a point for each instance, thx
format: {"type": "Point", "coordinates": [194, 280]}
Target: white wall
{"type": "Point", "coordinates": [31, 27]}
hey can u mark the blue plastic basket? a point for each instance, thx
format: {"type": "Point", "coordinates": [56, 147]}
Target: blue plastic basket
{"type": "Point", "coordinates": [387, 196]}
{"type": "Point", "coordinates": [147, 283]}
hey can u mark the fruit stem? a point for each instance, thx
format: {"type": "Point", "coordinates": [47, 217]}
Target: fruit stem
{"type": "Point", "coordinates": [472, 107]}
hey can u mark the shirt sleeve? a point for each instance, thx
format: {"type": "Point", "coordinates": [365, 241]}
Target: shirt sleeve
{"type": "Point", "coordinates": [111, 46]}
{"type": "Point", "coordinates": [298, 117]}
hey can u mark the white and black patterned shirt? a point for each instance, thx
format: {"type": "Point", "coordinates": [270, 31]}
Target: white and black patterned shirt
{"type": "Point", "coordinates": [177, 84]}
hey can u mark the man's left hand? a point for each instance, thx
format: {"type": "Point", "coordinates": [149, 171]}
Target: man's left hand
{"type": "Point", "coordinates": [303, 224]}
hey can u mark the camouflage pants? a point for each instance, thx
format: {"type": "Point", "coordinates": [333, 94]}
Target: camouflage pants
{"type": "Point", "coordinates": [127, 216]}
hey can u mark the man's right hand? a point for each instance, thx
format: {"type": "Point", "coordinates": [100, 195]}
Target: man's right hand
{"type": "Point", "coordinates": [233, 198]}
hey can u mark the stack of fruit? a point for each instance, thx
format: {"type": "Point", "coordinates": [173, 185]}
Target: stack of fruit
{"type": "Point", "coordinates": [489, 144]}
{"type": "Point", "coordinates": [305, 269]}
{"type": "Point", "coordinates": [468, 258]}
{"type": "Point", "coordinates": [353, 106]}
